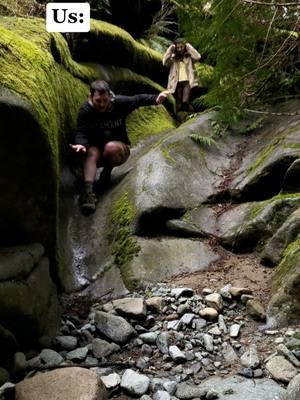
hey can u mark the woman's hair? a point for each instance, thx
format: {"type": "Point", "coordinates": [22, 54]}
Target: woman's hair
{"type": "Point", "coordinates": [99, 86]}
{"type": "Point", "coordinates": [179, 41]}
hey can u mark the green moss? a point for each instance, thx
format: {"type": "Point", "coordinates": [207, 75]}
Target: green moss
{"type": "Point", "coordinates": [289, 261]}
{"type": "Point", "coordinates": [295, 146]}
{"type": "Point", "coordinates": [29, 71]}
{"type": "Point", "coordinates": [264, 154]}
{"type": "Point", "coordinates": [258, 123]}
{"type": "Point", "coordinates": [119, 48]}
{"type": "Point", "coordinates": [167, 149]}
{"type": "Point", "coordinates": [256, 209]}
{"type": "Point", "coordinates": [124, 247]}
{"type": "Point", "coordinates": [148, 121]}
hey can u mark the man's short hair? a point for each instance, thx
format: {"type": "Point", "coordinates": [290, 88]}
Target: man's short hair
{"type": "Point", "coordinates": [99, 86]}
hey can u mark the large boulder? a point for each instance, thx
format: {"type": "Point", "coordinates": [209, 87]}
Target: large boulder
{"type": "Point", "coordinates": [64, 384]}
{"type": "Point", "coordinates": [174, 188]}
{"type": "Point", "coordinates": [284, 307]}
{"type": "Point", "coordinates": [249, 225]}
{"type": "Point", "coordinates": [28, 297]}
{"type": "Point", "coordinates": [285, 235]}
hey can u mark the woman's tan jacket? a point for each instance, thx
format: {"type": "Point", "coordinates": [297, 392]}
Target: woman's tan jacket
{"type": "Point", "coordinates": [189, 58]}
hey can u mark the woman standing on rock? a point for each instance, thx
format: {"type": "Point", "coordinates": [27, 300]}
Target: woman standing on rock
{"type": "Point", "coordinates": [180, 57]}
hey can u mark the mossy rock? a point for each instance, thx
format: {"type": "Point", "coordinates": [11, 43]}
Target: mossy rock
{"type": "Point", "coordinates": [285, 235]}
{"type": "Point", "coordinates": [109, 44]}
{"type": "Point", "coordinates": [260, 222]}
{"type": "Point", "coordinates": [42, 88]}
{"type": "Point", "coordinates": [284, 306]}
{"type": "Point", "coordinates": [21, 8]}
{"type": "Point", "coordinates": [39, 100]}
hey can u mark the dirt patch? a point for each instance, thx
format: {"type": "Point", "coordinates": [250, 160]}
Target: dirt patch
{"type": "Point", "coordinates": [238, 270]}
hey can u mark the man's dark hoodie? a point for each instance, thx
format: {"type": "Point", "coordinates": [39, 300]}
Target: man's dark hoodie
{"type": "Point", "coordinates": [97, 128]}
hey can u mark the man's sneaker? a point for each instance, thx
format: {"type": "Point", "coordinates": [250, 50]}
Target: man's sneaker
{"type": "Point", "coordinates": [88, 203]}
{"type": "Point", "coordinates": [103, 182]}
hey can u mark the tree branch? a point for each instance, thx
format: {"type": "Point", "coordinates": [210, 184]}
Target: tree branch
{"type": "Point", "coordinates": [265, 3]}
{"type": "Point", "coordinates": [270, 113]}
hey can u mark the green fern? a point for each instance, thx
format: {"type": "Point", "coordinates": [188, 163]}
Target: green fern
{"type": "Point", "coordinates": [203, 141]}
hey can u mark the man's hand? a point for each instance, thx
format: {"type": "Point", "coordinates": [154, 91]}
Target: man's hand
{"type": "Point", "coordinates": [161, 97]}
{"type": "Point", "coordinates": [78, 148]}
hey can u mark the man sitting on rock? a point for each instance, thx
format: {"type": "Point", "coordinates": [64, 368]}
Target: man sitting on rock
{"type": "Point", "coordinates": [101, 134]}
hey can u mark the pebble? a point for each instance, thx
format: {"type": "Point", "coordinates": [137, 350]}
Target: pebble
{"type": "Point", "coordinates": [134, 383]}
{"type": "Point", "coordinates": [176, 354]}
{"type": "Point", "coordinates": [111, 381]}
{"type": "Point", "coordinates": [234, 330]}
{"type": "Point", "coordinates": [209, 313]}
{"type": "Point", "coordinates": [183, 339]}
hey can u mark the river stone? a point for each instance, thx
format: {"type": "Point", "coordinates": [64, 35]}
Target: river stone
{"type": "Point", "coordinates": [281, 369]}
{"type": "Point", "coordinates": [199, 324]}
{"type": "Point", "coordinates": [131, 307]}
{"type": "Point", "coordinates": [293, 389]}
{"type": "Point", "coordinates": [19, 362]}
{"type": "Point", "coordinates": [134, 383]}
{"type": "Point", "coordinates": [155, 304]}
{"type": "Point", "coordinates": [113, 327]}
{"type": "Point", "coordinates": [222, 324]}
{"type": "Point", "coordinates": [157, 384]}
{"type": "Point", "coordinates": [239, 388]}
{"type": "Point", "coordinates": [215, 331]}
{"type": "Point", "coordinates": [185, 391]}
{"type": "Point", "coordinates": [183, 309]}
{"type": "Point", "coordinates": [209, 313]}
{"type": "Point", "coordinates": [239, 291]}
{"type": "Point", "coordinates": [229, 354]}
{"type": "Point", "coordinates": [182, 292]}
{"type": "Point", "coordinates": [234, 330]}
{"type": "Point", "coordinates": [66, 342]}
{"type": "Point", "coordinates": [101, 348]}
{"type": "Point", "coordinates": [18, 261]}
{"type": "Point", "coordinates": [176, 354]}
{"type": "Point", "coordinates": [160, 259]}
{"type": "Point", "coordinates": [7, 391]}
{"type": "Point", "coordinates": [284, 351]}
{"type": "Point", "coordinates": [214, 300]}
{"type": "Point", "coordinates": [208, 342]}
{"type": "Point", "coordinates": [149, 337]}
{"type": "Point", "coordinates": [111, 381]}
{"type": "Point", "coordinates": [162, 342]}
{"type": "Point", "coordinates": [50, 358]}
{"type": "Point", "coordinates": [161, 395]}
{"type": "Point", "coordinates": [250, 358]}
{"type": "Point", "coordinates": [256, 310]}
{"type": "Point", "coordinates": [77, 354]}
{"type": "Point", "coordinates": [187, 318]}
{"type": "Point", "coordinates": [63, 384]}
{"type": "Point", "coordinates": [170, 387]}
